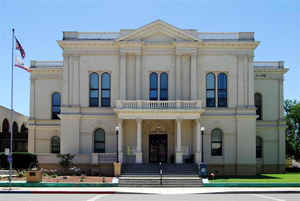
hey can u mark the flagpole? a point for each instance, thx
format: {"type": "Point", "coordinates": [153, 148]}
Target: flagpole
{"type": "Point", "coordinates": [12, 107]}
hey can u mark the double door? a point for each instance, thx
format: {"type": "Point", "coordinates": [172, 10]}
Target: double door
{"type": "Point", "coordinates": [158, 148]}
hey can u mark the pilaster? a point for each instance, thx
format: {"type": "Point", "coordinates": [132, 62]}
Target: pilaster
{"type": "Point", "coordinates": [178, 77]}
{"type": "Point", "coordinates": [138, 77]}
{"type": "Point", "coordinates": [76, 81]}
{"type": "Point", "coordinates": [250, 81]}
{"type": "Point", "coordinates": [65, 96]}
{"type": "Point", "coordinates": [31, 140]}
{"type": "Point", "coordinates": [194, 80]}
{"type": "Point", "coordinates": [123, 76]}
{"type": "Point", "coordinates": [70, 129]}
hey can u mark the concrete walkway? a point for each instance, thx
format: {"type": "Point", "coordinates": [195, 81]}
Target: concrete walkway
{"type": "Point", "coordinates": [108, 190]}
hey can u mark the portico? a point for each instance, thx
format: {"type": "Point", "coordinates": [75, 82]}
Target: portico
{"type": "Point", "coordinates": [159, 118]}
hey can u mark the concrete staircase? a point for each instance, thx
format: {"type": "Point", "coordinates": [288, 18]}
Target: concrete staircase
{"type": "Point", "coordinates": [148, 175]}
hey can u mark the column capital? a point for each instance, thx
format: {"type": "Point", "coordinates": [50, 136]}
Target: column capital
{"type": "Point", "coordinates": [179, 120]}
{"type": "Point", "coordinates": [198, 121]}
{"type": "Point", "coordinates": [139, 120]}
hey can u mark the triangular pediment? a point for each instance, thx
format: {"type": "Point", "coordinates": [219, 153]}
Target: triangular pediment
{"type": "Point", "coordinates": [159, 31]}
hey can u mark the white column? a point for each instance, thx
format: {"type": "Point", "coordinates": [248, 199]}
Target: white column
{"type": "Point", "coordinates": [120, 140]}
{"type": "Point", "coordinates": [139, 155]}
{"type": "Point", "coordinates": [178, 77]}
{"type": "Point", "coordinates": [194, 76]}
{"type": "Point", "coordinates": [198, 154]}
{"type": "Point", "coordinates": [178, 141]}
{"type": "Point", "coordinates": [31, 139]}
{"type": "Point", "coordinates": [123, 77]}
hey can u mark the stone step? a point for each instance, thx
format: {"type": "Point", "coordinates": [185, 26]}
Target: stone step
{"type": "Point", "coordinates": [157, 182]}
{"type": "Point", "coordinates": [154, 170]}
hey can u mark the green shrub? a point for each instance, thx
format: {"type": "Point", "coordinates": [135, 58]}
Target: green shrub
{"type": "Point", "coordinates": [65, 160]}
{"type": "Point", "coordinates": [21, 160]}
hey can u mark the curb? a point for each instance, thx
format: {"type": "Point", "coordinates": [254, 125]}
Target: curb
{"type": "Point", "coordinates": [254, 192]}
{"type": "Point", "coordinates": [251, 185]}
{"type": "Point", "coordinates": [52, 184]}
{"type": "Point", "coordinates": [57, 192]}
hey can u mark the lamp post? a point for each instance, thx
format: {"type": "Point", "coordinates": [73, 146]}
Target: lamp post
{"type": "Point", "coordinates": [203, 172]}
{"type": "Point", "coordinates": [117, 129]}
{"type": "Point", "coordinates": [202, 129]}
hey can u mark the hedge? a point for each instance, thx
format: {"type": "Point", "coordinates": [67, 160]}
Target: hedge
{"type": "Point", "coordinates": [21, 160]}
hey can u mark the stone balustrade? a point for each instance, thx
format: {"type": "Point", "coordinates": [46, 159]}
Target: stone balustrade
{"type": "Point", "coordinates": [268, 64]}
{"type": "Point", "coordinates": [158, 105]}
{"type": "Point", "coordinates": [47, 64]}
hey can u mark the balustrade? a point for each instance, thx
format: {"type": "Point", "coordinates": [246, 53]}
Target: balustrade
{"type": "Point", "coordinates": [159, 105]}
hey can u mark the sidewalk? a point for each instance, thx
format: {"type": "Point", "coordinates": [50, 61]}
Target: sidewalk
{"type": "Point", "coordinates": [124, 190]}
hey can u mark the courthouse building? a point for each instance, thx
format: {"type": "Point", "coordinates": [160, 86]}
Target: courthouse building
{"type": "Point", "coordinates": [160, 85]}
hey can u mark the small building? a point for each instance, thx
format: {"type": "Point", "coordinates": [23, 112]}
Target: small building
{"type": "Point", "coordinates": [159, 85]}
{"type": "Point", "coordinates": [20, 131]}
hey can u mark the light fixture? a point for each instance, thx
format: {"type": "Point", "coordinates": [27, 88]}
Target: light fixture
{"type": "Point", "coordinates": [117, 128]}
{"type": "Point", "coordinates": [202, 128]}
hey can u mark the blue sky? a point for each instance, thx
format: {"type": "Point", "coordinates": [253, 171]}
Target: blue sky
{"type": "Point", "coordinates": [40, 23]}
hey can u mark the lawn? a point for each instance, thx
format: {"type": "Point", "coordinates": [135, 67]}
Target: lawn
{"type": "Point", "coordinates": [264, 178]}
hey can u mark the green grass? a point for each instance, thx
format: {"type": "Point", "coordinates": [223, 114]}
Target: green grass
{"type": "Point", "coordinates": [263, 178]}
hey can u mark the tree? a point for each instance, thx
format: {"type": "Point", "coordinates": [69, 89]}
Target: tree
{"type": "Point", "coordinates": [292, 110]}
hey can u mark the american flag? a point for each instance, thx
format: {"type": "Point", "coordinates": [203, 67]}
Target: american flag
{"type": "Point", "coordinates": [20, 48]}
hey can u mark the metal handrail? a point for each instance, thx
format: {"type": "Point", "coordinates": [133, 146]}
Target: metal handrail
{"type": "Point", "coordinates": [160, 172]}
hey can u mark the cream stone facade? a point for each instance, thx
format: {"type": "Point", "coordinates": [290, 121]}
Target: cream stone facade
{"type": "Point", "coordinates": [155, 84]}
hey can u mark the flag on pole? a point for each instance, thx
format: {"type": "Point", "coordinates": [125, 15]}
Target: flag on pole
{"type": "Point", "coordinates": [20, 48]}
{"type": "Point", "coordinates": [20, 64]}
{"type": "Point", "coordinates": [19, 61]}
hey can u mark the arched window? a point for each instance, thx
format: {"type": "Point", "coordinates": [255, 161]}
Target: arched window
{"type": "Point", "coordinates": [259, 147]}
{"type": "Point", "coordinates": [94, 90]}
{"type": "Point", "coordinates": [222, 90]}
{"type": "Point", "coordinates": [105, 90]}
{"type": "Point", "coordinates": [210, 90]}
{"type": "Point", "coordinates": [99, 141]}
{"type": "Point", "coordinates": [216, 142]}
{"type": "Point", "coordinates": [258, 105]}
{"type": "Point", "coordinates": [163, 86]}
{"type": "Point", "coordinates": [5, 126]}
{"type": "Point", "coordinates": [15, 128]}
{"type": "Point", "coordinates": [55, 105]}
{"type": "Point", "coordinates": [153, 95]}
{"type": "Point", "coordinates": [24, 130]}
{"type": "Point", "coordinates": [55, 145]}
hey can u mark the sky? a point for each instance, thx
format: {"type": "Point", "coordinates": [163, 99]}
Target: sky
{"type": "Point", "coordinates": [39, 23]}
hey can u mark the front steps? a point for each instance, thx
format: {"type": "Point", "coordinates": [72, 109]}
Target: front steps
{"type": "Point", "coordinates": [148, 175]}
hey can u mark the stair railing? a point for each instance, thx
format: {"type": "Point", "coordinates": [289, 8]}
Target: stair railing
{"type": "Point", "coordinates": [160, 172]}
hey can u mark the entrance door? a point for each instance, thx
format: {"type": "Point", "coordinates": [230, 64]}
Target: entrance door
{"type": "Point", "coordinates": [158, 148]}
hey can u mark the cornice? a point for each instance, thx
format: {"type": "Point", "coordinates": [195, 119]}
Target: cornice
{"type": "Point", "coordinates": [46, 70]}
{"type": "Point", "coordinates": [85, 44]}
{"type": "Point", "coordinates": [93, 45]}
{"type": "Point", "coordinates": [229, 45]}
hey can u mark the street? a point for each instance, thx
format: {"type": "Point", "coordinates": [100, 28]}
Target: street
{"type": "Point", "coordinates": [150, 197]}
